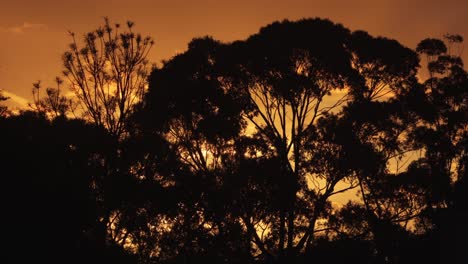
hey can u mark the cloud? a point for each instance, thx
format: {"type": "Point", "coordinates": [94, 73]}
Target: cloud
{"type": "Point", "coordinates": [15, 100]}
{"type": "Point", "coordinates": [26, 26]}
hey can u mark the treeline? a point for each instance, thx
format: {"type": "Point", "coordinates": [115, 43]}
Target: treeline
{"type": "Point", "coordinates": [237, 151]}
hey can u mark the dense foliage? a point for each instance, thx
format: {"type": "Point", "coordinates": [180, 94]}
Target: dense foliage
{"type": "Point", "coordinates": [305, 142]}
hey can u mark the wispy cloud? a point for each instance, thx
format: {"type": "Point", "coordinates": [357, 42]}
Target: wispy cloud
{"type": "Point", "coordinates": [26, 26]}
{"type": "Point", "coordinates": [16, 100]}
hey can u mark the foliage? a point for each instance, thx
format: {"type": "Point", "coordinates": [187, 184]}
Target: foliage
{"type": "Point", "coordinates": [54, 104]}
{"type": "Point", "coordinates": [237, 151]}
{"type": "Point", "coordinates": [108, 74]}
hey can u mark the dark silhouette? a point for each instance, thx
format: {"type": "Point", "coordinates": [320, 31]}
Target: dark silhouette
{"type": "Point", "coordinates": [51, 208]}
{"type": "Point", "coordinates": [54, 103]}
{"type": "Point", "coordinates": [108, 73]}
{"type": "Point", "coordinates": [237, 151]}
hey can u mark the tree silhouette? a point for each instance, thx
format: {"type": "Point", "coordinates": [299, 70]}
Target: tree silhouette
{"type": "Point", "coordinates": [187, 107]}
{"type": "Point", "coordinates": [286, 85]}
{"type": "Point", "coordinates": [50, 203]}
{"type": "Point", "coordinates": [375, 125]}
{"type": "Point", "coordinates": [277, 101]}
{"type": "Point", "coordinates": [108, 74]}
{"type": "Point", "coordinates": [236, 150]}
{"type": "Point", "coordinates": [54, 104]}
{"type": "Point", "coordinates": [441, 106]}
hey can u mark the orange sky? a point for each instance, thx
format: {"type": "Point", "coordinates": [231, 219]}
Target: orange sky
{"type": "Point", "coordinates": [34, 32]}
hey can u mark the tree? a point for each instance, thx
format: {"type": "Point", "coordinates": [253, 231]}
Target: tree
{"type": "Point", "coordinates": [189, 109]}
{"type": "Point", "coordinates": [424, 127]}
{"type": "Point", "coordinates": [108, 74]}
{"type": "Point", "coordinates": [235, 152]}
{"type": "Point", "coordinates": [376, 125]}
{"type": "Point", "coordinates": [54, 104]}
{"type": "Point", "coordinates": [286, 85]}
{"type": "Point", "coordinates": [264, 122]}
{"type": "Point", "coordinates": [51, 205]}
{"type": "Point", "coordinates": [441, 107]}
{"type": "Point", "coordinates": [294, 89]}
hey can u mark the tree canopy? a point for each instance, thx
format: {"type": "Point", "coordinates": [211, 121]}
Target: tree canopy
{"type": "Point", "coordinates": [304, 142]}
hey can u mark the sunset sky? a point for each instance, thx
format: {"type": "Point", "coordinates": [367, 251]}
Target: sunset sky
{"type": "Point", "coordinates": [34, 32]}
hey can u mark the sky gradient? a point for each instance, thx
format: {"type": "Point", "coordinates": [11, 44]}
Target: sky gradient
{"type": "Point", "coordinates": [34, 33]}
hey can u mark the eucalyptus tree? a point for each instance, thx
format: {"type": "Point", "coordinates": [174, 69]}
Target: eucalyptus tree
{"type": "Point", "coordinates": [268, 129]}
{"type": "Point", "coordinates": [441, 131]}
{"type": "Point", "coordinates": [249, 101]}
{"type": "Point", "coordinates": [377, 125]}
{"type": "Point", "coordinates": [189, 106]}
{"type": "Point", "coordinates": [288, 73]}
